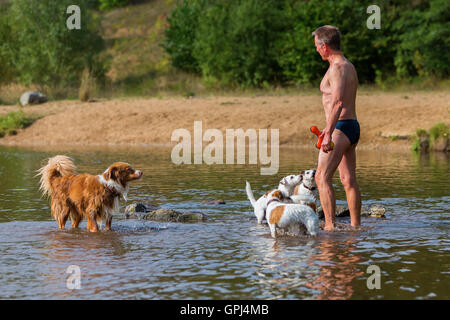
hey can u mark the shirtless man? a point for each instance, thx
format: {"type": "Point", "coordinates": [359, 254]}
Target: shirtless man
{"type": "Point", "coordinates": [338, 87]}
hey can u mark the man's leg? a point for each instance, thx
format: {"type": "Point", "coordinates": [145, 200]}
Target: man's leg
{"type": "Point", "coordinates": [328, 163]}
{"type": "Point", "coordinates": [347, 172]}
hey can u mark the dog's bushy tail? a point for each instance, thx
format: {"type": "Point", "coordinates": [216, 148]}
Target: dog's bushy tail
{"type": "Point", "coordinates": [250, 196]}
{"type": "Point", "coordinates": [58, 166]}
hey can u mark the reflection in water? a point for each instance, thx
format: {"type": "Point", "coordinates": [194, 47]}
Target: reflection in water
{"type": "Point", "coordinates": [229, 256]}
{"type": "Point", "coordinates": [77, 247]}
{"type": "Point", "coordinates": [283, 270]}
{"type": "Point", "coordinates": [338, 267]}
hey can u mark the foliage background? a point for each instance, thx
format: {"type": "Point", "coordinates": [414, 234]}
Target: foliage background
{"type": "Point", "coordinates": [38, 48]}
{"type": "Point", "coordinates": [254, 42]}
{"type": "Point", "coordinates": [145, 47]}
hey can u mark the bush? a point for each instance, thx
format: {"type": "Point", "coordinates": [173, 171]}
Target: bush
{"type": "Point", "coordinates": [47, 52]}
{"type": "Point", "coordinates": [234, 41]}
{"type": "Point", "coordinates": [421, 141]}
{"type": "Point", "coordinates": [180, 35]}
{"type": "Point", "coordinates": [226, 41]}
{"type": "Point", "coordinates": [13, 121]}
{"type": "Point", "coordinates": [439, 131]}
{"type": "Point", "coordinates": [8, 47]}
{"type": "Point", "coordinates": [369, 50]}
{"type": "Point", "coordinates": [255, 42]}
{"type": "Point", "coordinates": [423, 39]}
{"type": "Point", "coordinates": [437, 139]}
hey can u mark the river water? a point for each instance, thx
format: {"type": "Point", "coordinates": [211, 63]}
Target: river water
{"type": "Point", "coordinates": [229, 256]}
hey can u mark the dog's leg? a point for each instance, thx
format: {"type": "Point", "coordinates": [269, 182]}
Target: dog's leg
{"type": "Point", "coordinates": [59, 213]}
{"type": "Point", "coordinates": [61, 222]}
{"type": "Point", "coordinates": [108, 223]}
{"type": "Point", "coordinates": [295, 229]}
{"type": "Point", "coordinates": [91, 222]}
{"type": "Point", "coordinates": [76, 218]}
{"type": "Point", "coordinates": [273, 230]}
{"type": "Point", "coordinates": [260, 213]}
{"type": "Point", "coordinates": [65, 217]}
{"type": "Point", "coordinates": [62, 217]}
{"type": "Point", "coordinates": [75, 214]}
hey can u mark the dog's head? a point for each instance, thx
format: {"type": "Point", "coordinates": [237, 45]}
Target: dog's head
{"type": "Point", "coordinates": [121, 173]}
{"type": "Point", "coordinates": [274, 195]}
{"type": "Point", "coordinates": [291, 180]}
{"type": "Point", "coordinates": [308, 175]}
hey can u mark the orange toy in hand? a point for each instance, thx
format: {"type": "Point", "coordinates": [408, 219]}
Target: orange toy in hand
{"type": "Point", "coordinates": [317, 132]}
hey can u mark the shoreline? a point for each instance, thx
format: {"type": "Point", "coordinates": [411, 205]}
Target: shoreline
{"type": "Point", "coordinates": [387, 120]}
{"type": "Point", "coordinates": [390, 147]}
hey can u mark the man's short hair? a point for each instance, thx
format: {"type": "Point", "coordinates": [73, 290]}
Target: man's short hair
{"type": "Point", "coordinates": [329, 35]}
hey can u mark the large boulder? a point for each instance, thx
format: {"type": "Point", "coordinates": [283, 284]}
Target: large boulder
{"type": "Point", "coordinates": [148, 211]}
{"type": "Point", "coordinates": [169, 215]}
{"type": "Point", "coordinates": [32, 97]}
{"type": "Point", "coordinates": [373, 210]}
{"type": "Point", "coordinates": [139, 210]}
{"type": "Point", "coordinates": [442, 144]}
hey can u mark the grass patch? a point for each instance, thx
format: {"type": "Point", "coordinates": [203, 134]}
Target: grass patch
{"type": "Point", "coordinates": [10, 123]}
{"type": "Point", "coordinates": [394, 138]}
{"type": "Point", "coordinates": [436, 139]}
{"type": "Point", "coordinates": [439, 130]}
{"type": "Point", "coordinates": [229, 102]}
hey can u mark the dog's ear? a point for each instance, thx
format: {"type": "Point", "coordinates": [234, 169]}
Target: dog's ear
{"type": "Point", "coordinates": [111, 173]}
{"type": "Point", "coordinates": [302, 175]}
{"type": "Point", "coordinates": [277, 194]}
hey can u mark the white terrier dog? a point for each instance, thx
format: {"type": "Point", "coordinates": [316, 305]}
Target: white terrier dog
{"type": "Point", "coordinates": [286, 188]}
{"type": "Point", "coordinates": [306, 192]}
{"type": "Point", "coordinates": [290, 217]}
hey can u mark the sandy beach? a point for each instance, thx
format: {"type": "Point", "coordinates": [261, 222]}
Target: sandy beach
{"type": "Point", "coordinates": [387, 119]}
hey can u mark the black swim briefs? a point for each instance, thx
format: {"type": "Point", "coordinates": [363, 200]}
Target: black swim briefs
{"type": "Point", "coordinates": [350, 128]}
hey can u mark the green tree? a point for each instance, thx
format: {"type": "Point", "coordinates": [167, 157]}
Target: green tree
{"type": "Point", "coordinates": [234, 41]}
{"type": "Point", "coordinates": [424, 40]}
{"type": "Point", "coordinates": [180, 35]}
{"type": "Point", "coordinates": [47, 52]}
{"type": "Point", "coordinates": [369, 50]}
{"type": "Point", "coordinates": [253, 42]}
{"type": "Point", "coordinates": [8, 47]}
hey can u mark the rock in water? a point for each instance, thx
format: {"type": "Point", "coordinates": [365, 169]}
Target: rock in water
{"type": "Point", "coordinates": [374, 210]}
{"type": "Point", "coordinates": [148, 211]}
{"type": "Point", "coordinates": [138, 210]}
{"type": "Point", "coordinates": [169, 215]}
{"type": "Point", "coordinates": [214, 202]}
{"type": "Point", "coordinates": [442, 144]}
{"type": "Point", "coordinates": [32, 97]}
{"type": "Point", "coordinates": [341, 211]}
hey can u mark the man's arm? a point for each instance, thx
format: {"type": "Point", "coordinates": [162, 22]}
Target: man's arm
{"type": "Point", "coordinates": [337, 84]}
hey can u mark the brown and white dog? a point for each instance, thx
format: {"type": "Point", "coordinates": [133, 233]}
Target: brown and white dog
{"type": "Point", "coordinates": [290, 217]}
{"type": "Point", "coordinates": [83, 195]}
{"type": "Point", "coordinates": [286, 187]}
{"type": "Point", "coordinates": [306, 192]}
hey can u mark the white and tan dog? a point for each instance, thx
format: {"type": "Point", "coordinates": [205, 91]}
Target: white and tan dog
{"type": "Point", "coordinates": [290, 217]}
{"type": "Point", "coordinates": [306, 192]}
{"type": "Point", "coordinates": [286, 188]}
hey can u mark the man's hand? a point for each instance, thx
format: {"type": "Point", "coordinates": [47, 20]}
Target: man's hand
{"type": "Point", "coordinates": [327, 144]}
